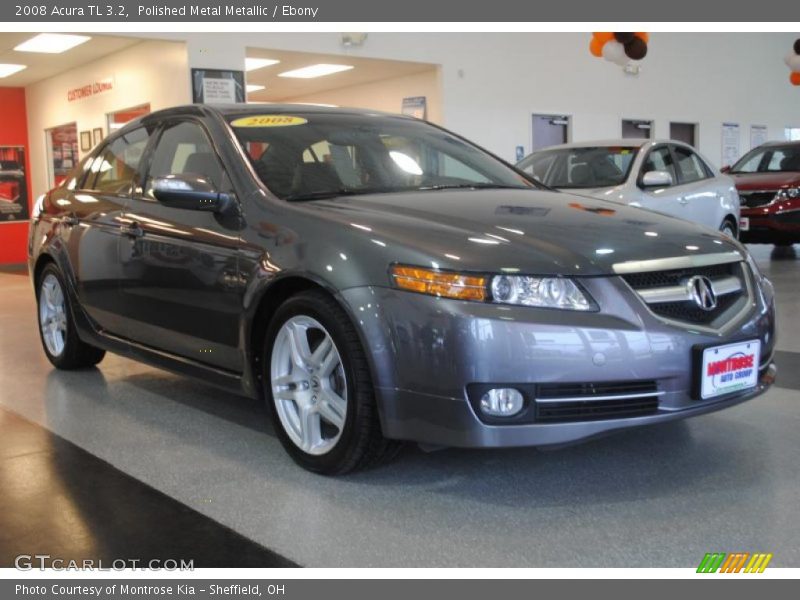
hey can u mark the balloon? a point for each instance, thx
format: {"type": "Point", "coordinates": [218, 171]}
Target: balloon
{"type": "Point", "coordinates": [792, 61]}
{"type": "Point", "coordinates": [636, 49]}
{"type": "Point", "coordinates": [645, 37]}
{"type": "Point", "coordinates": [624, 38]}
{"type": "Point", "coordinates": [603, 36]}
{"type": "Point", "coordinates": [795, 78]}
{"type": "Point", "coordinates": [797, 46]}
{"type": "Point", "coordinates": [596, 47]}
{"type": "Point", "coordinates": [615, 52]}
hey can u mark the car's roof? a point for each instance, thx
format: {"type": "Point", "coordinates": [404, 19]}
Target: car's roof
{"type": "Point", "coordinates": [623, 142]}
{"type": "Point", "coordinates": [782, 143]}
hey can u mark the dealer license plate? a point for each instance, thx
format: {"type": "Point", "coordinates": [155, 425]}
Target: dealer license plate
{"type": "Point", "coordinates": [744, 223]}
{"type": "Point", "coordinates": [729, 368]}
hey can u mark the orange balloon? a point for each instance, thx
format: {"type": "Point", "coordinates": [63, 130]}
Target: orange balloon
{"type": "Point", "coordinates": [603, 36]}
{"type": "Point", "coordinates": [795, 78]}
{"type": "Point", "coordinates": [645, 36]}
{"type": "Point", "coordinates": [596, 47]}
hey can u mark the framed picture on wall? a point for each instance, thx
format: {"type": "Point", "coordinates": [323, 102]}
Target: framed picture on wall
{"type": "Point", "coordinates": [97, 135]}
{"type": "Point", "coordinates": [86, 141]}
{"type": "Point", "coordinates": [13, 185]}
{"type": "Point", "coordinates": [214, 86]}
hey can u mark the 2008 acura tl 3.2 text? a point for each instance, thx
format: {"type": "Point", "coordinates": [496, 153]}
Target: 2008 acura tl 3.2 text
{"type": "Point", "coordinates": [376, 279]}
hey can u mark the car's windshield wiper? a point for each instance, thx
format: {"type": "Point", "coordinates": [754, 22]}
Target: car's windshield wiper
{"type": "Point", "coordinates": [476, 186]}
{"type": "Point", "coordinates": [324, 194]}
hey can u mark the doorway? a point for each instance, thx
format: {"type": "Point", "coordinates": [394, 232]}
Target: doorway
{"type": "Point", "coordinates": [62, 151]}
{"type": "Point", "coordinates": [637, 128]}
{"type": "Point", "coordinates": [684, 132]}
{"type": "Point", "coordinates": [550, 130]}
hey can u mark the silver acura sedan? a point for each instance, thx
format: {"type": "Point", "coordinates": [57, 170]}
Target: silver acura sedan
{"type": "Point", "coordinates": [663, 175]}
{"type": "Point", "coordinates": [374, 278]}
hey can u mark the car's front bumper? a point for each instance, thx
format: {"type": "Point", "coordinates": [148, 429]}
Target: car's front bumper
{"type": "Point", "coordinates": [425, 353]}
{"type": "Point", "coordinates": [775, 223]}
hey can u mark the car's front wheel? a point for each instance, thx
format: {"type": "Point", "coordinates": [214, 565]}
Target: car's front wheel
{"type": "Point", "coordinates": [319, 389]}
{"type": "Point", "coordinates": [63, 347]}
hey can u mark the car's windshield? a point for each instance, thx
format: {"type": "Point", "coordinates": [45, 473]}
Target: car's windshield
{"type": "Point", "coordinates": [769, 159]}
{"type": "Point", "coordinates": [311, 156]}
{"type": "Point", "coordinates": [586, 167]}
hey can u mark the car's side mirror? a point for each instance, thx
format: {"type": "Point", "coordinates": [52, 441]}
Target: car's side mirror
{"type": "Point", "coordinates": [190, 192]}
{"type": "Point", "coordinates": [656, 179]}
{"type": "Point", "coordinates": [725, 169]}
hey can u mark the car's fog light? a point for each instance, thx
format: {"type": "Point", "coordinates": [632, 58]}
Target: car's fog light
{"type": "Point", "coordinates": [501, 402]}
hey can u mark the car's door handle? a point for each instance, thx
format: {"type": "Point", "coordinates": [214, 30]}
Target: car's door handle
{"type": "Point", "coordinates": [683, 200]}
{"type": "Point", "coordinates": [133, 230]}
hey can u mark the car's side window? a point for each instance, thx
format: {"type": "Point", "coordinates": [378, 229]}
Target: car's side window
{"type": "Point", "coordinates": [184, 149]}
{"type": "Point", "coordinates": [116, 167]}
{"type": "Point", "coordinates": [660, 159]}
{"type": "Point", "coordinates": [690, 166]}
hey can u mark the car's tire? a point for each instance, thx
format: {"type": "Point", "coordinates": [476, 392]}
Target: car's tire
{"type": "Point", "coordinates": [728, 227]}
{"type": "Point", "coordinates": [57, 331]}
{"type": "Point", "coordinates": [319, 390]}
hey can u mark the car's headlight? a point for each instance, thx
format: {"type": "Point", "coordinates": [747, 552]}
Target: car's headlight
{"type": "Point", "coordinates": [792, 193]}
{"type": "Point", "coordinates": [542, 292]}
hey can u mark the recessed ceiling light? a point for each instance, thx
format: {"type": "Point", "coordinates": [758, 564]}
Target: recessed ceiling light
{"type": "Point", "coordinates": [316, 71]}
{"type": "Point", "coordinates": [252, 87]}
{"type": "Point", "coordinates": [251, 64]}
{"type": "Point", "coordinates": [52, 43]}
{"type": "Point", "coordinates": [6, 69]}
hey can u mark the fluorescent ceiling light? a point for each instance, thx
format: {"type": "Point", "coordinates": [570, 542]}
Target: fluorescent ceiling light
{"type": "Point", "coordinates": [52, 43]}
{"type": "Point", "coordinates": [6, 69]}
{"type": "Point", "coordinates": [251, 64]}
{"type": "Point", "coordinates": [316, 71]}
{"type": "Point", "coordinates": [252, 87]}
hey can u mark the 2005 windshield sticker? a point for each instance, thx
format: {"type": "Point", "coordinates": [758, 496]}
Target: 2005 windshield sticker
{"type": "Point", "coordinates": [269, 121]}
{"type": "Point", "coordinates": [13, 185]}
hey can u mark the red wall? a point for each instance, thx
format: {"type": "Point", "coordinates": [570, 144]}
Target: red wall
{"type": "Point", "coordinates": [14, 132]}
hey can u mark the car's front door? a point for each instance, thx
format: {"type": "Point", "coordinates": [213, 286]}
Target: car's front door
{"type": "Point", "coordinates": [698, 188]}
{"type": "Point", "coordinates": [180, 281]}
{"type": "Point", "coordinates": [666, 199]}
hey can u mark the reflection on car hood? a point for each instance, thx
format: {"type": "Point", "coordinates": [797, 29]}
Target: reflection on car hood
{"type": "Point", "coordinates": [765, 181]}
{"type": "Point", "coordinates": [516, 230]}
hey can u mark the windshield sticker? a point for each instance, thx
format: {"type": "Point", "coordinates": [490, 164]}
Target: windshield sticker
{"type": "Point", "coordinates": [269, 121]}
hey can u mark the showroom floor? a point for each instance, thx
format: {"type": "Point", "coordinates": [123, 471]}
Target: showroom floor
{"type": "Point", "coordinates": [661, 496]}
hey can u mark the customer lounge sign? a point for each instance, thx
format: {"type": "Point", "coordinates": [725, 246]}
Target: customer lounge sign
{"type": "Point", "coordinates": [91, 89]}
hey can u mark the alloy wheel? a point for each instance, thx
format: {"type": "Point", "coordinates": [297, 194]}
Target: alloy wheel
{"type": "Point", "coordinates": [52, 315]}
{"type": "Point", "coordinates": [308, 385]}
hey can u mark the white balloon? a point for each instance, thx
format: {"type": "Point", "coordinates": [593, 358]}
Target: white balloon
{"type": "Point", "coordinates": [615, 52]}
{"type": "Point", "coordinates": [792, 61]}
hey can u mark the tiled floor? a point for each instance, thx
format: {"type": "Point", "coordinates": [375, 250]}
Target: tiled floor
{"type": "Point", "coordinates": [660, 496]}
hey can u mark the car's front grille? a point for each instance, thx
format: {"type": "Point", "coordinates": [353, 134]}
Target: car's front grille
{"type": "Point", "coordinates": [566, 402]}
{"type": "Point", "coordinates": [758, 198]}
{"type": "Point", "coordinates": [668, 293]}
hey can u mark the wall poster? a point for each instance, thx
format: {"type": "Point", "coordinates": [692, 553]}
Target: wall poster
{"type": "Point", "coordinates": [731, 145]}
{"type": "Point", "coordinates": [415, 106]}
{"type": "Point", "coordinates": [13, 186]}
{"type": "Point", "coordinates": [758, 135]}
{"type": "Point", "coordinates": [213, 86]}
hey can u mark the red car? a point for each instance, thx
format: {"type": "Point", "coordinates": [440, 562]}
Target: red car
{"type": "Point", "coordinates": [768, 180]}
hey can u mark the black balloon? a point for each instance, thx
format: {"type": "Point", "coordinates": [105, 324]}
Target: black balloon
{"type": "Point", "coordinates": [624, 38]}
{"type": "Point", "coordinates": [797, 46]}
{"type": "Point", "coordinates": [636, 49]}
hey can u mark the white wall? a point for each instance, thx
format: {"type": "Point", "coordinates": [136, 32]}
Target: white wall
{"type": "Point", "coordinates": [493, 82]}
{"type": "Point", "coordinates": [385, 95]}
{"type": "Point", "coordinates": [153, 72]}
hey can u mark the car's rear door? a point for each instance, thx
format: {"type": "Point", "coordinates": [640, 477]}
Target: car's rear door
{"type": "Point", "coordinates": [93, 218]}
{"type": "Point", "coordinates": [180, 281]}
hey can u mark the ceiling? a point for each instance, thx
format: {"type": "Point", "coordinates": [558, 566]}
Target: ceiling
{"type": "Point", "coordinates": [41, 66]}
{"type": "Point", "coordinates": [279, 89]}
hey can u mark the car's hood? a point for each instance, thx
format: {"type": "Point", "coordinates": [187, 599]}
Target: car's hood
{"type": "Point", "coordinates": [766, 181]}
{"type": "Point", "coordinates": [516, 230]}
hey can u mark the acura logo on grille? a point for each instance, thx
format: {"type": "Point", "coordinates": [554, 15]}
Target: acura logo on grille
{"type": "Point", "coordinates": [702, 293]}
